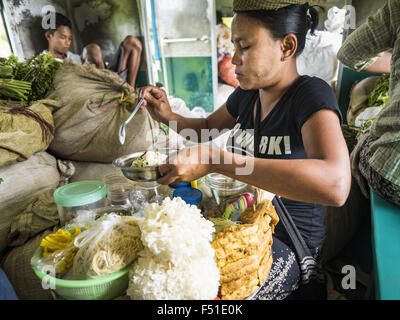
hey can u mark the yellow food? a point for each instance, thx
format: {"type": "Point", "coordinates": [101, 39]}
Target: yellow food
{"type": "Point", "coordinates": [243, 252]}
{"type": "Point", "coordinates": [59, 250]}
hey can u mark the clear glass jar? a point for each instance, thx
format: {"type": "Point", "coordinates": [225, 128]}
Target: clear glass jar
{"type": "Point", "coordinates": [224, 185]}
{"type": "Point", "coordinates": [219, 192]}
{"type": "Point", "coordinates": [118, 188]}
{"type": "Point", "coordinates": [145, 193]}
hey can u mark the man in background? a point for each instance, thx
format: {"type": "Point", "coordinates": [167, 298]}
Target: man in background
{"type": "Point", "coordinates": [126, 61]}
{"type": "Point", "coordinates": [60, 40]}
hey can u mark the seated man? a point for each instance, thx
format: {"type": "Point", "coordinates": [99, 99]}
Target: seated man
{"type": "Point", "coordinates": [126, 61]}
{"type": "Point", "coordinates": [60, 39]}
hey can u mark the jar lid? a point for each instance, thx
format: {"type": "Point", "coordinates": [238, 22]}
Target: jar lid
{"type": "Point", "coordinates": [180, 185]}
{"type": "Point", "coordinates": [80, 193]}
{"type": "Point", "coordinates": [189, 195]}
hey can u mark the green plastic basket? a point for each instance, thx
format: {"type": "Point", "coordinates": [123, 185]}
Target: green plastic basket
{"type": "Point", "coordinates": [102, 288]}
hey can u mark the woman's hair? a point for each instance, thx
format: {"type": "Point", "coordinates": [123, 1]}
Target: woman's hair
{"type": "Point", "coordinates": [297, 19]}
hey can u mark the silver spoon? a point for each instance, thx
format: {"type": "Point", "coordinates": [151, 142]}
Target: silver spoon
{"type": "Point", "coordinates": [122, 128]}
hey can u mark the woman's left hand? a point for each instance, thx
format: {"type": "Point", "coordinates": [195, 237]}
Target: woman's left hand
{"type": "Point", "coordinates": [187, 165]}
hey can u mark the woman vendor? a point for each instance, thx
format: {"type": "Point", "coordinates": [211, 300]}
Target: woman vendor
{"type": "Point", "coordinates": [287, 126]}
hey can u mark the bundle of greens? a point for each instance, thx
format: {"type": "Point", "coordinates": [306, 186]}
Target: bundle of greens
{"type": "Point", "coordinates": [379, 97]}
{"type": "Point", "coordinates": [10, 88]}
{"type": "Point", "coordinates": [5, 71]}
{"type": "Point", "coordinates": [27, 81]}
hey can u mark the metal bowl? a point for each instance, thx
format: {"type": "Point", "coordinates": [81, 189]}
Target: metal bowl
{"type": "Point", "coordinates": [145, 174]}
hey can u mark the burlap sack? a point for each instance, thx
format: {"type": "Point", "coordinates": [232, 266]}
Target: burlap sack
{"type": "Point", "coordinates": [17, 266]}
{"type": "Point", "coordinates": [90, 171]}
{"type": "Point", "coordinates": [21, 135]}
{"type": "Point", "coordinates": [20, 184]}
{"type": "Point", "coordinates": [27, 229]}
{"type": "Point", "coordinates": [40, 215]}
{"type": "Point", "coordinates": [91, 113]}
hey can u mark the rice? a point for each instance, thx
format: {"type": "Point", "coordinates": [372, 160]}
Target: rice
{"type": "Point", "coordinates": [178, 262]}
{"type": "Point", "coordinates": [150, 158]}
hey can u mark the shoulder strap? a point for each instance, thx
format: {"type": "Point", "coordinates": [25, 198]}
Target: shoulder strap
{"type": "Point", "coordinates": [310, 269]}
{"type": "Point", "coordinates": [293, 232]}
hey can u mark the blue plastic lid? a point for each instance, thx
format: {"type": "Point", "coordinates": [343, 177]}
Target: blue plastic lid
{"type": "Point", "coordinates": [180, 185]}
{"type": "Point", "coordinates": [80, 193]}
{"type": "Point", "coordinates": [189, 195]}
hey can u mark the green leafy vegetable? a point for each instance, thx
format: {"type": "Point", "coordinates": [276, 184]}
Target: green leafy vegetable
{"type": "Point", "coordinates": [6, 71]}
{"type": "Point", "coordinates": [141, 162]}
{"type": "Point", "coordinates": [379, 97]}
{"type": "Point", "coordinates": [27, 81]}
{"type": "Point", "coordinates": [14, 89]}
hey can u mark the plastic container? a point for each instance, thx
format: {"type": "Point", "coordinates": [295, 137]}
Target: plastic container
{"type": "Point", "coordinates": [180, 185]}
{"type": "Point", "coordinates": [79, 197]}
{"type": "Point", "coordinates": [173, 187]}
{"type": "Point", "coordinates": [219, 192]}
{"type": "Point", "coordinates": [118, 188]}
{"type": "Point", "coordinates": [190, 196]}
{"type": "Point", "coordinates": [102, 288]}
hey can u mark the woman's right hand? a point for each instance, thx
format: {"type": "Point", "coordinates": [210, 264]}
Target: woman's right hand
{"type": "Point", "coordinates": [156, 102]}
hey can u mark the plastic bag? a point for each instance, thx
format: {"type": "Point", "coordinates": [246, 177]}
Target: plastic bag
{"type": "Point", "coordinates": [336, 19]}
{"type": "Point", "coordinates": [108, 246]}
{"type": "Point", "coordinates": [319, 56]}
{"type": "Point", "coordinates": [58, 251]}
